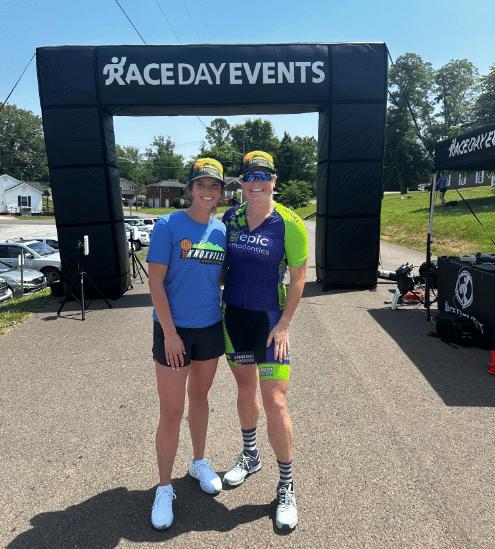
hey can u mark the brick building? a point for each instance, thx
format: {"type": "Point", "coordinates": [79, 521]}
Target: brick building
{"type": "Point", "coordinates": [162, 194]}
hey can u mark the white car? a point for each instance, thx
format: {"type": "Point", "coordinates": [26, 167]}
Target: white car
{"type": "Point", "coordinates": [32, 281]}
{"type": "Point", "coordinates": [150, 221]}
{"type": "Point", "coordinates": [52, 241]}
{"type": "Point", "coordinates": [143, 236]}
{"type": "Point", "coordinates": [139, 223]}
{"type": "Point", "coordinates": [5, 292]}
{"type": "Point", "coordinates": [37, 255]}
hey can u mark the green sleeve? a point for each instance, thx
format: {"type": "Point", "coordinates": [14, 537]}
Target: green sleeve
{"type": "Point", "coordinates": [296, 237]}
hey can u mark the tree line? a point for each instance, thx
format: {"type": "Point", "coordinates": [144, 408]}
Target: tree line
{"type": "Point", "coordinates": [425, 106]}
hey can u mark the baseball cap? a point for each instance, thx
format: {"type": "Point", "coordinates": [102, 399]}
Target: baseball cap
{"type": "Point", "coordinates": [206, 167]}
{"type": "Point", "coordinates": [258, 159]}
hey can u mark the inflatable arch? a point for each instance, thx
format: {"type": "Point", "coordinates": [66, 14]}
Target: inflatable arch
{"type": "Point", "coordinates": [82, 87]}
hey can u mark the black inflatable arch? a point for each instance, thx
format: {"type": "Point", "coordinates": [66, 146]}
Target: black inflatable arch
{"type": "Point", "coordinates": [82, 87]}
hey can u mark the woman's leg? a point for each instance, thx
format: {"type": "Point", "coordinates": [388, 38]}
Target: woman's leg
{"type": "Point", "coordinates": [248, 404]}
{"type": "Point", "coordinates": [200, 380]}
{"type": "Point", "coordinates": [274, 394]}
{"type": "Point", "coordinates": [171, 391]}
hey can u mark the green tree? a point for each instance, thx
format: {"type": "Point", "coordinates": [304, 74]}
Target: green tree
{"type": "Point", "coordinates": [230, 159]}
{"type": "Point", "coordinates": [218, 133]}
{"type": "Point", "coordinates": [132, 166]}
{"type": "Point", "coordinates": [455, 91]}
{"type": "Point", "coordinates": [254, 135]}
{"type": "Point", "coordinates": [296, 160]}
{"type": "Point", "coordinates": [164, 164]}
{"type": "Point", "coordinates": [22, 145]}
{"type": "Point", "coordinates": [484, 107]}
{"type": "Point", "coordinates": [405, 162]}
{"type": "Point", "coordinates": [296, 194]}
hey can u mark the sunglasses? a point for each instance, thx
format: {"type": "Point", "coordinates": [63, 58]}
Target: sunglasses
{"type": "Point", "coordinates": [261, 176]}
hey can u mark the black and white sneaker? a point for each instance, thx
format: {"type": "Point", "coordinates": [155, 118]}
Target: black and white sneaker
{"type": "Point", "coordinates": [244, 466]}
{"type": "Point", "coordinates": [286, 517]}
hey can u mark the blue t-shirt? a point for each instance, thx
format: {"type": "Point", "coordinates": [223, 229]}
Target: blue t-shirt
{"type": "Point", "coordinates": [442, 182]}
{"type": "Point", "coordinates": [194, 253]}
{"type": "Point", "coordinates": [257, 260]}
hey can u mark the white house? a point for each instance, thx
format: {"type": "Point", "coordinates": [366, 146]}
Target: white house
{"type": "Point", "coordinates": [20, 196]}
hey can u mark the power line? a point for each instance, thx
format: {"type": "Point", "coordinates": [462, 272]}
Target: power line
{"type": "Point", "coordinates": [207, 26]}
{"type": "Point", "coordinates": [192, 20]}
{"type": "Point", "coordinates": [171, 28]}
{"type": "Point", "coordinates": [130, 20]}
{"type": "Point", "coordinates": [5, 102]}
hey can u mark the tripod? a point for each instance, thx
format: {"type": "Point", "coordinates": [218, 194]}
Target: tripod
{"type": "Point", "coordinates": [137, 266]}
{"type": "Point", "coordinates": [81, 275]}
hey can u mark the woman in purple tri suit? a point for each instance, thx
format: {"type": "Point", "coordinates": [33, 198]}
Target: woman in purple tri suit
{"type": "Point", "coordinates": [263, 240]}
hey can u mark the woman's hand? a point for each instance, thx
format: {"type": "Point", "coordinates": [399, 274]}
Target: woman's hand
{"type": "Point", "coordinates": [280, 337]}
{"type": "Point", "coordinates": [174, 351]}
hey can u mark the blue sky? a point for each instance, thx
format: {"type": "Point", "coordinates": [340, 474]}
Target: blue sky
{"type": "Point", "coordinates": [436, 30]}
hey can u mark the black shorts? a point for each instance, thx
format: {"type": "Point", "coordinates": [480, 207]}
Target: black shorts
{"type": "Point", "coordinates": [199, 343]}
{"type": "Point", "coordinates": [246, 333]}
{"type": "Point", "coordinates": [443, 190]}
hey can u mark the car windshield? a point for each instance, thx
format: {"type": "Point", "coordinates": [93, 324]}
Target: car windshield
{"type": "Point", "coordinates": [4, 267]}
{"type": "Point", "coordinates": [41, 248]}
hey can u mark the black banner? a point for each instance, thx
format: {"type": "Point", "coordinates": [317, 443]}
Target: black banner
{"type": "Point", "coordinates": [468, 290]}
{"type": "Point", "coordinates": [471, 151]}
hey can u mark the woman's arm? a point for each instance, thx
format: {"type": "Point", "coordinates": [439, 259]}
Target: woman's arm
{"type": "Point", "coordinates": [174, 348]}
{"type": "Point", "coordinates": [280, 332]}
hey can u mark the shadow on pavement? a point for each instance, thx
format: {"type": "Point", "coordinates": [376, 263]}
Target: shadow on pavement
{"type": "Point", "coordinates": [103, 520]}
{"type": "Point", "coordinates": [458, 374]}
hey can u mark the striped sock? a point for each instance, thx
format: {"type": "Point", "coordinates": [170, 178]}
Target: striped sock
{"type": "Point", "coordinates": [285, 472]}
{"type": "Point", "coordinates": [249, 439]}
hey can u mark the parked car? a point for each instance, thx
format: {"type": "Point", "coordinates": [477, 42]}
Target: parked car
{"type": "Point", "coordinates": [143, 236]}
{"type": "Point", "coordinates": [5, 292]}
{"type": "Point", "coordinates": [52, 241]}
{"type": "Point", "coordinates": [139, 224]}
{"type": "Point", "coordinates": [150, 221]}
{"type": "Point", "coordinates": [37, 255]}
{"type": "Point", "coordinates": [33, 281]}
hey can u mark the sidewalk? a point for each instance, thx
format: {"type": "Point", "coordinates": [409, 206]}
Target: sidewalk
{"type": "Point", "coordinates": [393, 432]}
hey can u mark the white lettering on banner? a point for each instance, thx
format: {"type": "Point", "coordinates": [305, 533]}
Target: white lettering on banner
{"type": "Point", "coordinates": [134, 74]}
{"type": "Point", "coordinates": [167, 74]}
{"type": "Point", "coordinates": [266, 72]}
{"type": "Point", "coordinates": [460, 312]}
{"type": "Point", "coordinates": [475, 143]}
{"type": "Point", "coordinates": [147, 76]}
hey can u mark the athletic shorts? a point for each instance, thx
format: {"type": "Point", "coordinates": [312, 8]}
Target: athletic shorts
{"type": "Point", "coordinates": [246, 333]}
{"type": "Point", "coordinates": [443, 190]}
{"type": "Point", "coordinates": [199, 343]}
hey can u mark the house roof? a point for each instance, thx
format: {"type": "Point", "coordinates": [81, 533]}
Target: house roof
{"type": "Point", "coordinates": [33, 184]}
{"type": "Point", "coordinates": [167, 184]}
{"type": "Point", "coordinates": [232, 183]}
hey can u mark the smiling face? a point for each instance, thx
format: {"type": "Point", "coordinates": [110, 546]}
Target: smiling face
{"type": "Point", "coordinates": [206, 192]}
{"type": "Point", "coordinates": [258, 190]}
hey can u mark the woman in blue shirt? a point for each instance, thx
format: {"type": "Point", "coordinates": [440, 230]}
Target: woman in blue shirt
{"type": "Point", "coordinates": [185, 256]}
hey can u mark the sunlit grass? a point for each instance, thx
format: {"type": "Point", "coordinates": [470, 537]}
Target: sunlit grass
{"type": "Point", "coordinates": [405, 221]}
{"type": "Point", "coordinates": [15, 311]}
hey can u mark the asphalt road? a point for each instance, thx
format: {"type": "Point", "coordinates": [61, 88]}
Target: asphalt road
{"type": "Point", "coordinates": [393, 433]}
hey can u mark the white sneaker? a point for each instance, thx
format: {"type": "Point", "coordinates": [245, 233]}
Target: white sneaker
{"type": "Point", "coordinates": [208, 480]}
{"type": "Point", "coordinates": [244, 466]}
{"type": "Point", "coordinates": [162, 515]}
{"type": "Point", "coordinates": [286, 508]}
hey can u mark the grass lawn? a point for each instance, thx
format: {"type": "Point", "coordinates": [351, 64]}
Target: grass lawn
{"type": "Point", "coordinates": [405, 221]}
{"type": "Point", "coordinates": [15, 311]}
